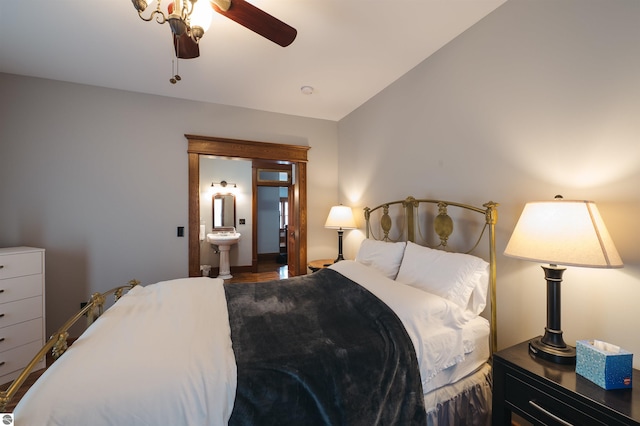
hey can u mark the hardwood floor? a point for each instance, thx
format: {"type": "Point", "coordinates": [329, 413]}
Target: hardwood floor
{"type": "Point", "coordinates": [25, 386]}
{"type": "Point", "coordinates": [267, 271]}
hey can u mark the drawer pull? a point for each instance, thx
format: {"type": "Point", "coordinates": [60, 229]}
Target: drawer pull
{"type": "Point", "coordinates": [1, 266]}
{"type": "Point", "coordinates": [550, 414]}
{"type": "Point", "coordinates": [1, 315]}
{"type": "Point", "coordinates": [1, 290]}
{"type": "Point", "coordinates": [1, 339]}
{"type": "Point", "coordinates": [2, 363]}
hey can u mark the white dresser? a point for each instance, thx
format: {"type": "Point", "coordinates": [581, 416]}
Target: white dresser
{"type": "Point", "coordinates": [22, 319]}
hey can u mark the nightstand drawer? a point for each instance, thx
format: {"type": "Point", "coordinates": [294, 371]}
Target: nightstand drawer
{"type": "Point", "coordinates": [18, 265]}
{"type": "Point", "coordinates": [546, 406]}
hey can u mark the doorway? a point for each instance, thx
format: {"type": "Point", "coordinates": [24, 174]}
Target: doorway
{"type": "Point", "coordinates": [273, 185]}
{"type": "Point", "coordinates": [293, 155]}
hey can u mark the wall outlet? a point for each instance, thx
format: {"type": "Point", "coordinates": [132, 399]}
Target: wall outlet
{"type": "Point", "coordinates": [242, 222]}
{"type": "Point", "coordinates": [180, 231]}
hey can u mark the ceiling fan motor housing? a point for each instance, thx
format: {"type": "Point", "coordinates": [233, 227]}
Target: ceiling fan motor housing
{"type": "Point", "coordinates": [177, 24]}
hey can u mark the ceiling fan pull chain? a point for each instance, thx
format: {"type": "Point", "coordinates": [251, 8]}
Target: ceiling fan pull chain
{"type": "Point", "coordinates": [175, 61]}
{"type": "Point", "coordinates": [172, 80]}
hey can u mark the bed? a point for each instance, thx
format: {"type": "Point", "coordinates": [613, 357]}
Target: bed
{"type": "Point", "coordinates": [392, 337]}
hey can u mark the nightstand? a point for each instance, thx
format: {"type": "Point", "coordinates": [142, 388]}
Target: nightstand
{"type": "Point", "coordinates": [316, 265]}
{"type": "Point", "coordinates": [543, 392]}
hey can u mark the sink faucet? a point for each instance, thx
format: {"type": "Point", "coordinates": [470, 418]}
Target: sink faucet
{"type": "Point", "coordinates": [224, 230]}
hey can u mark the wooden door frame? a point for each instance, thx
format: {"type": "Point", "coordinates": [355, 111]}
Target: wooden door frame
{"type": "Point", "coordinates": [252, 150]}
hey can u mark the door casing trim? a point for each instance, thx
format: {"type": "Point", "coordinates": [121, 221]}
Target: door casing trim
{"type": "Point", "coordinates": [253, 150]}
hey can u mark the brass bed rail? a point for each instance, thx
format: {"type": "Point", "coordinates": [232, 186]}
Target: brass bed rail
{"type": "Point", "coordinates": [408, 225]}
{"type": "Point", "coordinates": [57, 343]}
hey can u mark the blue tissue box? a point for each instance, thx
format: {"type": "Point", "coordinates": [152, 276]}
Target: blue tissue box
{"type": "Point", "coordinates": [606, 369]}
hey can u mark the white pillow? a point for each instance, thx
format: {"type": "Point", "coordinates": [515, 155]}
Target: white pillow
{"type": "Point", "coordinates": [381, 255]}
{"type": "Point", "coordinates": [460, 278]}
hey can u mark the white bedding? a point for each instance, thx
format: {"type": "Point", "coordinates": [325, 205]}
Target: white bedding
{"type": "Point", "coordinates": [476, 340]}
{"type": "Point", "coordinates": [171, 358]}
{"type": "Point", "coordinates": [185, 335]}
{"type": "Point", "coordinates": [442, 333]}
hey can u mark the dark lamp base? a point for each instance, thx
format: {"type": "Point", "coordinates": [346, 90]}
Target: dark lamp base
{"type": "Point", "coordinates": [565, 355]}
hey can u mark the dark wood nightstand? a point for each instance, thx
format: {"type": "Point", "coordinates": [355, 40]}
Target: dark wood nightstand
{"type": "Point", "coordinates": [315, 265]}
{"type": "Point", "coordinates": [543, 392]}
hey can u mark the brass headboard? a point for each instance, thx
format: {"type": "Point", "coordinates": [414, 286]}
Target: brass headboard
{"type": "Point", "coordinates": [406, 216]}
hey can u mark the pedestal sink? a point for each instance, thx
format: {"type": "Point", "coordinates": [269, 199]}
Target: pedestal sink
{"type": "Point", "coordinates": [224, 241]}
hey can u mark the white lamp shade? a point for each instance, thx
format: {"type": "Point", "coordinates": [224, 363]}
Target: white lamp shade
{"type": "Point", "coordinates": [202, 14]}
{"type": "Point", "coordinates": [563, 232]}
{"type": "Point", "coordinates": [340, 217]}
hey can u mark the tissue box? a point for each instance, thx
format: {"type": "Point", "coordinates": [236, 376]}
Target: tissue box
{"type": "Point", "coordinates": [602, 365]}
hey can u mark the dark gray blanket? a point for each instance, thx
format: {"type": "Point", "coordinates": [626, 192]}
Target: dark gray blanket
{"type": "Point", "coordinates": [320, 350]}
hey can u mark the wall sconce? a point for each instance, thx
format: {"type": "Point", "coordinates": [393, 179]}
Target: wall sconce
{"type": "Point", "coordinates": [222, 184]}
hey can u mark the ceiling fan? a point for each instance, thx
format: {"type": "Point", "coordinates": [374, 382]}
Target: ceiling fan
{"type": "Point", "coordinates": [188, 19]}
{"type": "Point", "coordinates": [256, 20]}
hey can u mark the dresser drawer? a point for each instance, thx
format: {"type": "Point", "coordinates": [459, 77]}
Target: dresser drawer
{"type": "Point", "coordinates": [20, 334]}
{"type": "Point", "coordinates": [18, 265]}
{"type": "Point", "coordinates": [20, 310]}
{"type": "Point", "coordinates": [544, 405]}
{"type": "Point", "coordinates": [13, 361]}
{"type": "Point", "coordinates": [20, 288]}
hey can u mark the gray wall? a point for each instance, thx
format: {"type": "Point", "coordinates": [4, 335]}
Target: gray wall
{"type": "Point", "coordinates": [539, 98]}
{"type": "Point", "coordinates": [98, 178]}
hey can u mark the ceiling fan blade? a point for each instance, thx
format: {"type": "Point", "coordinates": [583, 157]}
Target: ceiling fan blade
{"type": "Point", "coordinates": [185, 47]}
{"type": "Point", "coordinates": [258, 21]}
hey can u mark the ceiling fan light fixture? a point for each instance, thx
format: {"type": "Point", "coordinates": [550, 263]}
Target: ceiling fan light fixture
{"type": "Point", "coordinates": [140, 5]}
{"type": "Point", "coordinates": [179, 15]}
{"type": "Point", "coordinates": [196, 33]}
{"type": "Point", "coordinates": [201, 16]}
{"type": "Point", "coordinates": [223, 5]}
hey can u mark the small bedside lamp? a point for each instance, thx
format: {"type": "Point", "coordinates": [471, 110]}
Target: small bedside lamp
{"type": "Point", "coordinates": [340, 218]}
{"type": "Point", "coordinates": [562, 232]}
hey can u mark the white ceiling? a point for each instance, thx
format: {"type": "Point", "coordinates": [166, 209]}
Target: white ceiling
{"type": "Point", "coordinates": [348, 50]}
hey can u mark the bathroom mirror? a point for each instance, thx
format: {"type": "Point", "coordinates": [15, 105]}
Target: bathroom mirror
{"type": "Point", "coordinates": [224, 210]}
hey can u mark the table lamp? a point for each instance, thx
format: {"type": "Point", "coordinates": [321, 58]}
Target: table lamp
{"type": "Point", "coordinates": [560, 232]}
{"type": "Point", "coordinates": [340, 218]}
